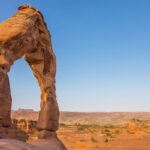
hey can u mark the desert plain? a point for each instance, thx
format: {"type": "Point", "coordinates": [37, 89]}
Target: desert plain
{"type": "Point", "coordinates": [92, 130]}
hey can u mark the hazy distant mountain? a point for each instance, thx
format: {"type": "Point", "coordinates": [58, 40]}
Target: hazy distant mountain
{"type": "Point", "coordinates": [100, 118]}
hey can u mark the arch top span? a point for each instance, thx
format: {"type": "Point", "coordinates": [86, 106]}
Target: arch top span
{"type": "Point", "coordinates": [26, 35]}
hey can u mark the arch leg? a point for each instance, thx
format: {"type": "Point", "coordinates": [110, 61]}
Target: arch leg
{"type": "Point", "coordinates": [5, 100]}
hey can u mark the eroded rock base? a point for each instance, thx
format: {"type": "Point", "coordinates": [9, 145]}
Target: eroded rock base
{"type": "Point", "coordinates": [50, 144]}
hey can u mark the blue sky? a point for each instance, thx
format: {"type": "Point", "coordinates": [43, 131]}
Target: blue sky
{"type": "Point", "coordinates": [103, 55]}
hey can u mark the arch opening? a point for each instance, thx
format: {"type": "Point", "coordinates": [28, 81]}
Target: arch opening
{"type": "Point", "coordinates": [25, 90]}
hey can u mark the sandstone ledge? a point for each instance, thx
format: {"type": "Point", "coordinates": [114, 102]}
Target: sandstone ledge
{"type": "Point", "coordinates": [10, 144]}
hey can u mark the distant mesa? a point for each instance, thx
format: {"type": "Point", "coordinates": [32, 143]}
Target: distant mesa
{"type": "Point", "coordinates": [24, 110]}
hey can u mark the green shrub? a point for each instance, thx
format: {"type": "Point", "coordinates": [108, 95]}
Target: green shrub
{"type": "Point", "coordinates": [108, 134]}
{"type": "Point", "coordinates": [63, 125]}
{"type": "Point", "coordinates": [106, 130]}
{"type": "Point", "coordinates": [93, 140]}
{"type": "Point", "coordinates": [117, 131]}
{"type": "Point", "coordinates": [106, 141]}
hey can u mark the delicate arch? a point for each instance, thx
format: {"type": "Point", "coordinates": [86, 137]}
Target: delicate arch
{"type": "Point", "coordinates": [26, 35]}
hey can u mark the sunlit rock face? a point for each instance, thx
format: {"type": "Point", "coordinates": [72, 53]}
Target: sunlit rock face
{"type": "Point", "coordinates": [26, 35]}
{"type": "Point", "coordinates": [23, 124]}
{"type": "Point", "coordinates": [132, 128]}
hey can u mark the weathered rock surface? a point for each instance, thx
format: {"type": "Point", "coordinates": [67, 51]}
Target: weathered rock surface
{"type": "Point", "coordinates": [24, 130]}
{"type": "Point", "coordinates": [132, 128]}
{"type": "Point", "coordinates": [26, 34]}
{"type": "Point", "coordinates": [5, 100]}
{"type": "Point", "coordinates": [9, 144]}
{"type": "Point", "coordinates": [50, 144]}
{"type": "Point", "coordinates": [23, 124]}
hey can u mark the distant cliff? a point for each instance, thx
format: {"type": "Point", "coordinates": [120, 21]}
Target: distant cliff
{"type": "Point", "coordinates": [100, 118]}
{"type": "Point", "coordinates": [28, 114]}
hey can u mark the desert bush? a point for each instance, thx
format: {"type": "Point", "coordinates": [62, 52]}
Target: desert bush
{"type": "Point", "coordinates": [63, 125]}
{"type": "Point", "coordinates": [93, 140]}
{"type": "Point", "coordinates": [117, 131]}
{"type": "Point", "coordinates": [106, 130]}
{"type": "Point", "coordinates": [106, 140]}
{"type": "Point", "coordinates": [108, 134]}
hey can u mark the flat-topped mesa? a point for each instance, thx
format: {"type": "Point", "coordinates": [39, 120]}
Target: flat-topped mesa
{"type": "Point", "coordinates": [26, 35]}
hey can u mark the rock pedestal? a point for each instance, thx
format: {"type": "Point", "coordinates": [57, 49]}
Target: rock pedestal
{"type": "Point", "coordinates": [132, 128]}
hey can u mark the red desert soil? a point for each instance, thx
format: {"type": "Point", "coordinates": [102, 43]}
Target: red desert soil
{"type": "Point", "coordinates": [99, 131]}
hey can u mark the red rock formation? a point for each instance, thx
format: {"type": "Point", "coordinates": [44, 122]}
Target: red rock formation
{"type": "Point", "coordinates": [132, 128]}
{"type": "Point", "coordinates": [5, 99]}
{"type": "Point", "coordinates": [26, 35]}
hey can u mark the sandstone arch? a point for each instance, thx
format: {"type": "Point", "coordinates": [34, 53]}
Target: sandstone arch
{"type": "Point", "coordinates": [26, 35]}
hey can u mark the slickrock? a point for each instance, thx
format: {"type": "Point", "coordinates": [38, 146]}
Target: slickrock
{"type": "Point", "coordinates": [132, 128]}
{"type": "Point", "coordinates": [9, 144]}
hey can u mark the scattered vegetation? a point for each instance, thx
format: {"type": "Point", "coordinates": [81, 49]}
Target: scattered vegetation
{"type": "Point", "coordinates": [93, 140]}
{"type": "Point", "coordinates": [106, 140]}
{"type": "Point", "coordinates": [108, 134]}
{"type": "Point", "coordinates": [91, 128]}
{"type": "Point", "coordinates": [117, 131]}
{"type": "Point", "coordinates": [82, 140]}
{"type": "Point", "coordinates": [111, 126]}
{"type": "Point", "coordinates": [63, 125]}
{"type": "Point", "coordinates": [106, 130]}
